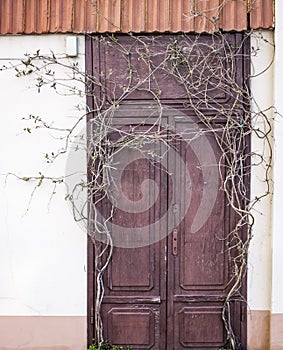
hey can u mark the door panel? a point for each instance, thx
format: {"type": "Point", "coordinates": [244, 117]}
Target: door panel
{"type": "Point", "coordinates": [131, 269]}
{"type": "Point", "coordinates": [198, 327]}
{"type": "Point", "coordinates": [134, 305]}
{"type": "Point", "coordinates": [198, 274]}
{"type": "Point", "coordinates": [132, 64]}
{"type": "Point", "coordinates": [136, 325]}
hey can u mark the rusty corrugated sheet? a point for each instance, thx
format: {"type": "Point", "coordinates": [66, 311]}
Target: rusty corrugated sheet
{"type": "Point", "coordinates": [261, 13]}
{"type": "Point", "coordinates": [11, 14]}
{"type": "Point", "coordinates": [234, 15]}
{"type": "Point", "coordinates": [90, 17]}
{"type": "Point", "coordinates": [80, 16]}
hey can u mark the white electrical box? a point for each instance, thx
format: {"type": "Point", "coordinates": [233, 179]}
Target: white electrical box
{"type": "Point", "coordinates": [71, 46]}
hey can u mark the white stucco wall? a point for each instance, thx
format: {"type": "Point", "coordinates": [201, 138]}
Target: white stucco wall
{"type": "Point", "coordinates": [260, 255]}
{"type": "Point", "coordinates": [277, 241]}
{"type": "Point", "coordinates": [42, 251]}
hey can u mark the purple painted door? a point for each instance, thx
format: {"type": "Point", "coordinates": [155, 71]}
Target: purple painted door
{"type": "Point", "coordinates": [169, 273]}
{"type": "Point", "coordinates": [134, 306]}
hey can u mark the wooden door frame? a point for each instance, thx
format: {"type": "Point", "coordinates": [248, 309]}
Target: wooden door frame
{"type": "Point", "coordinates": [92, 52]}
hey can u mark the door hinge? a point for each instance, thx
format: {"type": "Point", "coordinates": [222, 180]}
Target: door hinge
{"type": "Point", "coordinates": [91, 315]}
{"type": "Point", "coordinates": [175, 242]}
{"type": "Point", "coordinates": [243, 315]}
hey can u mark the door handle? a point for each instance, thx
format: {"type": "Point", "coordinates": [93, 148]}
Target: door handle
{"type": "Point", "coordinates": [175, 242]}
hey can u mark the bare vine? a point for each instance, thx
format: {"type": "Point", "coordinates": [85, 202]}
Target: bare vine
{"type": "Point", "coordinates": [205, 72]}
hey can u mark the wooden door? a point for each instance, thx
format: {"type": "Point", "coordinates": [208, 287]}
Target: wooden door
{"type": "Point", "coordinates": [134, 305]}
{"type": "Point", "coordinates": [165, 288]}
{"type": "Point", "coordinates": [199, 275]}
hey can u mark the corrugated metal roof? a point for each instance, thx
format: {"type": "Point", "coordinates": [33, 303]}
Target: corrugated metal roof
{"type": "Point", "coordinates": [261, 13]}
{"type": "Point", "coordinates": [80, 16]}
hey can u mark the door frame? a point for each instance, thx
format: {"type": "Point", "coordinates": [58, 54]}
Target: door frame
{"type": "Point", "coordinates": [92, 53]}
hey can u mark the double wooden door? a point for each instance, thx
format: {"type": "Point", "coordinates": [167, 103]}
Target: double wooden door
{"type": "Point", "coordinates": [170, 270]}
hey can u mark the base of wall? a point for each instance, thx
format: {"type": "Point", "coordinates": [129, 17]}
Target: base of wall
{"type": "Point", "coordinates": [69, 332]}
{"type": "Point", "coordinates": [276, 333]}
{"type": "Point", "coordinates": [265, 330]}
{"type": "Point", "coordinates": [258, 330]}
{"type": "Point", "coordinates": [43, 332]}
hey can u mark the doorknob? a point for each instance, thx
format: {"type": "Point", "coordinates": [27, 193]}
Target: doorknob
{"type": "Point", "coordinates": [175, 242]}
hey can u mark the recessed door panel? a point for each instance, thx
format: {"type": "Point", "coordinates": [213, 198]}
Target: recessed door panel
{"type": "Point", "coordinates": [199, 327]}
{"type": "Point", "coordinates": [144, 67]}
{"type": "Point", "coordinates": [131, 269]}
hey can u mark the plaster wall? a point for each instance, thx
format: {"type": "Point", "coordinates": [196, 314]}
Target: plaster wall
{"type": "Point", "coordinates": [276, 333]}
{"type": "Point", "coordinates": [43, 251]}
{"type": "Point", "coordinates": [260, 253]}
{"type": "Point", "coordinates": [259, 263]}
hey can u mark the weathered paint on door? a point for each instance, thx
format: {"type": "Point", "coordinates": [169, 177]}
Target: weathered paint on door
{"type": "Point", "coordinates": [168, 294]}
